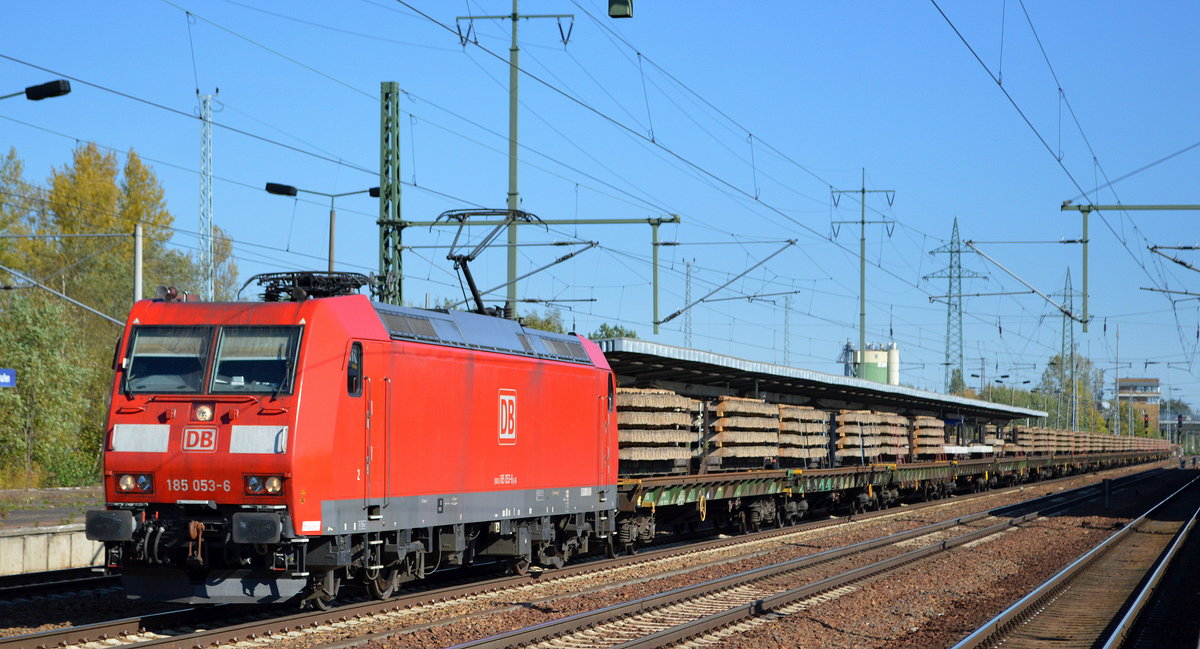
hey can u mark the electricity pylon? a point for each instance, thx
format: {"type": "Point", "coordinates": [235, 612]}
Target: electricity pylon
{"type": "Point", "coordinates": [954, 274]}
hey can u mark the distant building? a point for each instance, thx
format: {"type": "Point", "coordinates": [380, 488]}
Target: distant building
{"type": "Point", "coordinates": [881, 362]}
{"type": "Point", "coordinates": [1144, 396]}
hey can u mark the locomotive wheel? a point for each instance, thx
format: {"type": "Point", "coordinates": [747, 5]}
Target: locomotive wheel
{"type": "Point", "coordinates": [324, 595]}
{"type": "Point", "coordinates": [382, 586]}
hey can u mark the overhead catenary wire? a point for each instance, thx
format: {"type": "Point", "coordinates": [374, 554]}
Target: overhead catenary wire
{"type": "Point", "coordinates": [649, 69]}
{"type": "Point", "coordinates": [743, 192]}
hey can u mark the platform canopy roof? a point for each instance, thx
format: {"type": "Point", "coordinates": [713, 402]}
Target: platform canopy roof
{"type": "Point", "coordinates": [696, 373]}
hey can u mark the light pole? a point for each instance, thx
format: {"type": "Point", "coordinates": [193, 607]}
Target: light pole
{"type": "Point", "coordinates": [287, 190]}
{"type": "Point", "coordinates": [56, 88]}
{"type": "Point", "coordinates": [1012, 389]}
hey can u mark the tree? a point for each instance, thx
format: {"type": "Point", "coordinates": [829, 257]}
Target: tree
{"type": "Point", "coordinates": [1079, 397]}
{"type": "Point", "coordinates": [18, 206]}
{"type": "Point", "coordinates": [957, 384]}
{"type": "Point", "coordinates": [92, 194]}
{"type": "Point", "coordinates": [612, 331]}
{"type": "Point", "coordinates": [43, 420]}
{"type": "Point", "coordinates": [226, 277]}
{"type": "Point", "coordinates": [1176, 407]}
{"type": "Point", "coordinates": [551, 320]}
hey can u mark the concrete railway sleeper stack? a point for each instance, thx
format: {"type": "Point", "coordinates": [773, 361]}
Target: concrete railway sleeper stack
{"type": "Point", "coordinates": [657, 431]}
{"type": "Point", "coordinates": [858, 436]}
{"type": "Point", "coordinates": [744, 434]}
{"type": "Point", "coordinates": [994, 437]}
{"type": "Point", "coordinates": [928, 436]}
{"type": "Point", "coordinates": [893, 436]}
{"type": "Point", "coordinates": [664, 433]}
{"type": "Point", "coordinates": [803, 437]}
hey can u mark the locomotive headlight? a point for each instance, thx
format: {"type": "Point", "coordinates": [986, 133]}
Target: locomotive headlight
{"type": "Point", "coordinates": [264, 484]}
{"type": "Point", "coordinates": [254, 484]}
{"type": "Point", "coordinates": [203, 412]}
{"type": "Point", "coordinates": [135, 482]}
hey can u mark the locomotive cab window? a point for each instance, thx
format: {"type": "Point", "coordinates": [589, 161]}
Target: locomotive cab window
{"type": "Point", "coordinates": [255, 359]}
{"type": "Point", "coordinates": [354, 371]}
{"type": "Point", "coordinates": [167, 359]}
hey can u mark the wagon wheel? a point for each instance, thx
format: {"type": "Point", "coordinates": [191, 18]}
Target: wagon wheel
{"type": "Point", "coordinates": [326, 592]}
{"type": "Point", "coordinates": [549, 556]}
{"type": "Point", "coordinates": [610, 547]}
{"type": "Point", "coordinates": [566, 550]}
{"type": "Point", "coordinates": [519, 566]}
{"type": "Point", "coordinates": [384, 584]}
{"type": "Point", "coordinates": [631, 547]}
{"type": "Point", "coordinates": [740, 524]}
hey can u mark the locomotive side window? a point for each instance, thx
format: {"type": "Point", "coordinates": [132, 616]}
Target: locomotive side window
{"type": "Point", "coordinates": [354, 371]}
{"type": "Point", "coordinates": [167, 359]}
{"type": "Point", "coordinates": [255, 359]}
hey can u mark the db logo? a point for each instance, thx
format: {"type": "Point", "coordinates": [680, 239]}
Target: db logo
{"type": "Point", "coordinates": [508, 417]}
{"type": "Point", "coordinates": [200, 440]}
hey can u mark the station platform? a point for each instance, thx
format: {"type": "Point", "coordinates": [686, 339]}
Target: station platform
{"type": "Point", "coordinates": [42, 529]}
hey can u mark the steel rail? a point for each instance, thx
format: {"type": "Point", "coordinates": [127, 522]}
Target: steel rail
{"type": "Point", "coordinates": [1117, 636]}
{"type": "Point", "coordinates": [31, 584]}
{"type": "Point", "coordinates": [103, 631]}
{"type": "Point", "coordinates": [557, 628]}
{"type": "Point", "coordinates": [1031, 603]}
{"type": "Point", "coordinates": [774, 602]}
{"type": "Point", "coordinates": [116, 628]}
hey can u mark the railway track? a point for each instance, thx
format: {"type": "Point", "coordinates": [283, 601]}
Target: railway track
{"type": "Point", "coordinates": [1096, 600]}
{"type": "Point", "coordinates": [33, 584]}
{"type": "Point", "coordinates": [177, 628]}
{"type": "Point", "coordinates": [1169, 618]}
{"type": "Point", "coordinates": [685, 613]}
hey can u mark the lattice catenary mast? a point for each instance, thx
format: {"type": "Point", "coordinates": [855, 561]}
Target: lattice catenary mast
{"type": "Point", "coordinates": [207, 260]}
{"type": "Point", "coordinates": [954, 274]}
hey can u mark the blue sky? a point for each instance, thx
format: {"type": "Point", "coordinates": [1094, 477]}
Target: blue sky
{"type": "Point", "coordinates": [739, 117]}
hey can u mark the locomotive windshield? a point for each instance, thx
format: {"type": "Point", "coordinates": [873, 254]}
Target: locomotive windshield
{"type": "Point", "coordinates": [175, 360]}
{"type": "Point", "coordinates": [168, 359]}
{"type": "Point", "coordinates": [255, 359]}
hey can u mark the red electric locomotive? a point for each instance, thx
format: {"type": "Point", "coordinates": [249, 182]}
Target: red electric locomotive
{"type": "Point", "coordinates": [270, 451]}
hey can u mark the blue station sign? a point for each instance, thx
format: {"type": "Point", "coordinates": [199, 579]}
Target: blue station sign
{"type": "Point", "coordinates": [8, 378]}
